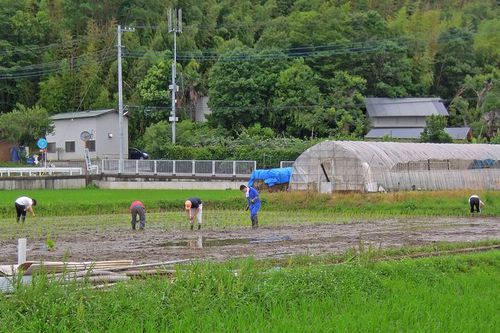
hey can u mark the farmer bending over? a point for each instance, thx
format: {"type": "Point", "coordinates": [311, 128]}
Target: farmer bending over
{"type": "Point", "coordinates": [253, 201]}
{"type": "Point", "coordinates": [194, 209]}
{"type": "Point", "coordinates": [24, 204]}
{"type": "Point", "coordinates": [137, 208]}
{"type": "Point", "coordinates": [475, 204]}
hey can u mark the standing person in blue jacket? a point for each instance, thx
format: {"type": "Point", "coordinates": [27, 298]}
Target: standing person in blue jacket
{"type": "Point", "coordinates": [253, 200]}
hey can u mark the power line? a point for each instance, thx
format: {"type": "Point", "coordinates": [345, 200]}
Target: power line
{"type": "Point", "coordinates": [366, 46]}
{"type": "Point", "coordinates": [40, 48]}
{"type": "Point", "coordinates": [55, 66]}
{"type": "Point", "coordinates": [357, 47]}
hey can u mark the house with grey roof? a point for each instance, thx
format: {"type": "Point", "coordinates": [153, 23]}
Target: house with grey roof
{"type": "Point", "coordinates": [405, 118]}
{"type": "Point", "coordinates": [96, 130]}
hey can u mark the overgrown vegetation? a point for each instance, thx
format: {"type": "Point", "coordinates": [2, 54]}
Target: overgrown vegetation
{"type": "Point", "coordinates": [446, 294]}
{"type": "Point", "coordinates": [298, 67]}
{"type": "Point", "coordinates": [199, 141]}
{"type": "Point", "coordinates": [434, 131]}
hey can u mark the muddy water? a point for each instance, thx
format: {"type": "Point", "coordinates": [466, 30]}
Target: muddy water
{"type": "Point", "coordinates": [154, 244]}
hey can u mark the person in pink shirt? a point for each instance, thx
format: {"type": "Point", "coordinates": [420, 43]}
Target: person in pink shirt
{"type": "Point", "coordinates": [137, 208]}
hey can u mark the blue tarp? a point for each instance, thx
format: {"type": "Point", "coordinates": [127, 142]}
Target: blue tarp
{"type": "Point", "coordinates": [14, 154]}
{"type": "Point", "coordinates": [483, 164]}
{"type": "Point", "coordinates": [271, 177]}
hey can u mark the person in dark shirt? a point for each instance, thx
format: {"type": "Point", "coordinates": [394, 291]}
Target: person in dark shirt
{"type": "Point", "coordinates": [475, 204]}
{"type": "Point", "coordinates": [194, 209]}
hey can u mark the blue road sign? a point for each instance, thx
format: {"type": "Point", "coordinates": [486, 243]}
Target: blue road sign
{"type": "Point", "coordinates": [42, 143]}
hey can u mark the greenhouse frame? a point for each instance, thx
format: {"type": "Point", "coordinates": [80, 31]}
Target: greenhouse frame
{"type": "Point", "coordinates": [391, 166]}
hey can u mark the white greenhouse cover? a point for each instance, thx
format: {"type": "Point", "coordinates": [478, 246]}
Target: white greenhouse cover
{"type": "Point", "coordinates": [361, 165]}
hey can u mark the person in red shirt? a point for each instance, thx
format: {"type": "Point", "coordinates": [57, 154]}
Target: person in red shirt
{"type": "Point", "coordinates": [137, 208]}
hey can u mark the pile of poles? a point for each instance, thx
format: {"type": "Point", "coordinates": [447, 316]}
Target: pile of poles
{"type": "Point", "coordinates": [98, 274]}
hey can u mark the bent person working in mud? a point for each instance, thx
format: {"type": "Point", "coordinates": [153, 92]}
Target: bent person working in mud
{"type": "Point", "coordinates": [194, 209]}
{"type": "Point", "coordinates": [137, 208]}
{"type": "Point", "coordinates": [475, 204]}
{"type": "Point", "coordinates": [253, 201]}
{"type": "Point", "coordinates": [23, 205]}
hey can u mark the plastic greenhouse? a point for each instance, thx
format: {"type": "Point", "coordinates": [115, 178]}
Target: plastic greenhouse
{"type": "Point", "coordinates": [389, 166]}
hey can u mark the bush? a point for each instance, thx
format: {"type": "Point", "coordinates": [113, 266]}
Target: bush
{"type": "Point", "coordinates": [198, 141]}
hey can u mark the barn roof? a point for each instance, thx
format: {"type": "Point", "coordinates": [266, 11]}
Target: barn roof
{"type": "Point", "coordinates": [82, 114]}
{"type": "Point", "coordinates": [404, 107]}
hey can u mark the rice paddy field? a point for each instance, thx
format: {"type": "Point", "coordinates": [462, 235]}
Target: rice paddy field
{"type": "Point", "coordinates": [396, 262]}
{"type": "Point", "coordinates": [344, 205]}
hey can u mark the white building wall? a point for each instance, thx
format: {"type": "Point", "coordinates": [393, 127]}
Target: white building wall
{"type": "Point", "coordinates": [384, 122]}
{"type": "Point", "coordinates": [106, 135]}
{"type": "Point", "coordinates": [69, 130]}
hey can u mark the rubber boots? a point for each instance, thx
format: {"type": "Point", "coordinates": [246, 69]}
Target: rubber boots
{"type": "Point", "coordinates": [255, 222]}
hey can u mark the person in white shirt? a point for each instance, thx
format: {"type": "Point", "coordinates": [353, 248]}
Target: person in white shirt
{"type": "Point", "coordinates": [24, 204]}
{"type": "Point", "coordinates": [475, 204]}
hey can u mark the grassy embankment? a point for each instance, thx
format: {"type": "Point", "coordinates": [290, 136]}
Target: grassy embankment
{"type": "Point", "coordinates": [459, 293]}
{"type": "Point", "coordinates": [350, 205]}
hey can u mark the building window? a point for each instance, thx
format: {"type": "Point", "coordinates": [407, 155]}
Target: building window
{"type": "Point", "coordinates": [51, 147]}
{"type": "Point", "coordinates": [90, 145]}
{"type": "Point", "coordinates": [69, 146]}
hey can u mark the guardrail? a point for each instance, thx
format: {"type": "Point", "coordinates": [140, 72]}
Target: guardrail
{"type": "Point", "coordinates": [205, 168]}
{"type": "Point", "coordinates": [9, 172]}
{"type": "Point", "coordinates": [286, 164]}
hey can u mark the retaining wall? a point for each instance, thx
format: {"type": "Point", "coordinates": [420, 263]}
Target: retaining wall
{"type": "Point", "coordinates": [170, 185]}
{"type": "Point", "coordinates": [120, 182]}
{"type": "Point", "coordinates": [31, 183]}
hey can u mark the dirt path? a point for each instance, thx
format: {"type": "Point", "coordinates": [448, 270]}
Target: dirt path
{"type": "Point", "coordinates": [155, 245]}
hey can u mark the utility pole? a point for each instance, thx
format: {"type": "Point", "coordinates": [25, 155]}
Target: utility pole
{"type": "Point", "coordinates": [174, 26]}
{"type": "Point", "coordinates": [119, 31]}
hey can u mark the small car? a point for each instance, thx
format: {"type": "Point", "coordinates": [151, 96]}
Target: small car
{"type": "Point", "coordinates": [137, 154]}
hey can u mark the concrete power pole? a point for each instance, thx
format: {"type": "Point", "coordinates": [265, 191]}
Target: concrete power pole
{"type": "Point", "coordinates": [119, 31]}
{"type": "Point", "coordinates": [174, 26]}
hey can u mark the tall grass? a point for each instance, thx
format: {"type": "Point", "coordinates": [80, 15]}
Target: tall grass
{"type": "Point", "coordinates": [97, 201]}
{"type": "Point", "coordinates": [446, 294]}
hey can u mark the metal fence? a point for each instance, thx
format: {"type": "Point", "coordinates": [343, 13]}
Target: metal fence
{"type": "Point", "coordinates": [286, 164]}
{"type": "Point", "coordinates": [9, 172]}
{"type": "Point", "coordinates": [204, 168]}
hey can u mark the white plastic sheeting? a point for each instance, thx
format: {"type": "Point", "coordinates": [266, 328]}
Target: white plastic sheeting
{"type": "Point", "coordinates": [389, 166]}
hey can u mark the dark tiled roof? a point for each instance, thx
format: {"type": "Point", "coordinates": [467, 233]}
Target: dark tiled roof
{"type": "Point", "coordinates": [404, 107]}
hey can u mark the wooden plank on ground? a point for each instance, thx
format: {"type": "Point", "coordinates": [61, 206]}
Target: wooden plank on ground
{"type": "Point", "coordinates": [59, 267]}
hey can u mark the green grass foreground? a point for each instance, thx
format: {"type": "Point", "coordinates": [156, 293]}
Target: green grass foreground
{"type": "Point", "coordinates": [459, 293]}
{"type": "Point", "coordinates": [100, 201]}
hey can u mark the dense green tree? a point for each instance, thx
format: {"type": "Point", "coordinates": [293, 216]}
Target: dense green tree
{"type": "Point", "coordinates": [25, 125]}
{"type": "Point", "coordinates": [296, 102]}
{"type": "Point", "coordinates": [487, 42]}
{"type": "Point", "coordinates": [454, 61]}
{"type": "Point", "coordinates": [434, 131]}
{"type": "Point", "coordinates": [61, 55]}
{"type": "Point", "coordinates": [241, 87]}
{"type": "Point", "coordinates": [346, 101]}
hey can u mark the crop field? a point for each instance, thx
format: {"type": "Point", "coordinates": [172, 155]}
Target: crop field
{"type": "Point", "coordinates": [456, 293]}
{"type": "Point", "coordinates": [316, 263]}
{"type": "Point", "coordinates": [94, 224]}
{"type": "Point", "coordinates": [349, 205]}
